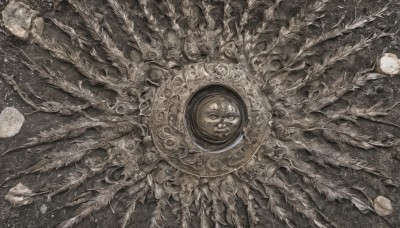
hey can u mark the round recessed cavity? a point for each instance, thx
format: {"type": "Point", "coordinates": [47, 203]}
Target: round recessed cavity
{"type": "Point", "coordinates": [215, 116]}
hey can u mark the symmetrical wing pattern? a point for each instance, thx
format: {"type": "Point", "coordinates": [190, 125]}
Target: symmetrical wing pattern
{"type": "Point", "coordinates": [112, 57]}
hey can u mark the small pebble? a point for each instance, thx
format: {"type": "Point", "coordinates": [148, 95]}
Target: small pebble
{"type": "Point", "coordinates": [389, 64]}
{"type": "Point", "coordinates": [11, 121]}
{"type": "Point", "coordinates": [18, 18]}
{"type": "Point", "coordinates": [390, 182]}
{"type": "Point", "coordinates": [383, 206]}
{"type": "Point", "coordinates": [19, 195]}
{"type": "Point", "coordinates": [43, 209]}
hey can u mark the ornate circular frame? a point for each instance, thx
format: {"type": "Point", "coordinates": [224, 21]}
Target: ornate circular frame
{"type": "Point", "coordinates": [172, 135]}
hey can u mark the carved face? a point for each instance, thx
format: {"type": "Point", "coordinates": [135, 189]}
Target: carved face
{"type": "Point", "coordinates": [217, 119]}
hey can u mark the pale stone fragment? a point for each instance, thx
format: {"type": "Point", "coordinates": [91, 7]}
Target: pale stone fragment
{"type": "Point", "coordinates": [19, 195]}
{"type": "Point", "coordinates": [20, 19]}
{"type": "Point", "coordinates": [389, 64]}
{"type": "Point", "coordinates": [383, 206]}
{"type": "Point", "coordinates": [11, 121]}
{"type": "Point", "coordinates": [38, 26]}
{"type": "Point", "coordinates": [43, 209]}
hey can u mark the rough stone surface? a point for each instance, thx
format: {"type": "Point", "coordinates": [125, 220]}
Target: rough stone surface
{"type": "Point", "coordinates": [11, 121]}
{"type": "Point", "coordinates": [19, 19]}
{"type": "Point", "coordinates": [19, 195]}
{"type": "Point", "coordinates": [383, 206]}
{"type": "Point", "coordinates": [87, 150]}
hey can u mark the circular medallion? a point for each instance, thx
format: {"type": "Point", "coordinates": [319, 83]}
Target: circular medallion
{"type": "Point", "coordinates": [215, 117]}
{"type": "Point", "coordinates": [209, 119]}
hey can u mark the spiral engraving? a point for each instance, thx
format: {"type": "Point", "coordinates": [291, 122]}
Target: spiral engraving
{"type": "Point", "coordinates": [207, 120]}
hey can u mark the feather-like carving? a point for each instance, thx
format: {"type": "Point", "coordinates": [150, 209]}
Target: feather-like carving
{"type": "Point", "coordinates": [132, 207]}
{"type": "Point", "coordinates": [100, 201]}
{"type": "Point", "coordinates": [276, 209]}
{"type": "Point", "coordinates": [359, 22]}
{"type": "Point", "coordinates": [299, 202]}
{"type": "Point", "coordinates": [62, 158]}
{"type": "Point", "coordinates": [67, 131]}
{"type": "Point", "coordinates": [306, 16]}
{"type": "Point", "coordinates": [114, 71]}
{"type": "Point", "coordinates": [47, 106]}
{"type": "Point", "coordinates": [340, 54]}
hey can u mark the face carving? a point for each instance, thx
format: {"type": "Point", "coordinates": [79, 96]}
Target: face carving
{"type": "Point", "coordinates": [217, 119]}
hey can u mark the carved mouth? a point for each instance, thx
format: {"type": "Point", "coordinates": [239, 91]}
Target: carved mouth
{"type": "Point", "coordinates": [222, 131]}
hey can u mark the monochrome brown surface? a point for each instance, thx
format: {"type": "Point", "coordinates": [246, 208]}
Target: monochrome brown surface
{"type": "Point", "coordinates": [127, 107]}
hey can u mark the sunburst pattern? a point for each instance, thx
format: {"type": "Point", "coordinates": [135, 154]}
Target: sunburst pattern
{"type": "Point", "coordinates": [112, 59]}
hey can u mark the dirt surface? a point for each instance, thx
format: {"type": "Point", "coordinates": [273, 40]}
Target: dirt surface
{"type": "Point", "coordinates": [44, 213]}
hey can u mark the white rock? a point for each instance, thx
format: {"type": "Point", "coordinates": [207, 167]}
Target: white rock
{"type": "Point", "coordinates": [11, 121]}
{"type": "Point", "coordinates": [19, 19]}
{"type": "Point", "coordinates": [389, 64]}
{"type": "Point", "coordinates": [43, 209]}
{"type": "Point", "coordinates": [19, 195]}
{"type": "Point", "coordinates": [383, 206]}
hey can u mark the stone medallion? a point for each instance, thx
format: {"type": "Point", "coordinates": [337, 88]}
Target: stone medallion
{"type": "Point", "coordinates": [209, 119]}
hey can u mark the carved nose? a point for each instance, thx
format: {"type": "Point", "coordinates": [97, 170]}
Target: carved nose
{"type": "Point", "coordinates": [221, 125]}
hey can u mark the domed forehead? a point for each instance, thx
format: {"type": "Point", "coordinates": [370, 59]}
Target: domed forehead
{"type": "Point", "coordinates": [218, 102]}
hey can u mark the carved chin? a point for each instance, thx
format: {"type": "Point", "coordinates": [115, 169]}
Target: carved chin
{"type": "Point", "coordinates": [216, 137]}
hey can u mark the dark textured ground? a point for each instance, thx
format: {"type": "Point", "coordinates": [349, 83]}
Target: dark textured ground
{"type": "Point", "coordinates": [343, 213]}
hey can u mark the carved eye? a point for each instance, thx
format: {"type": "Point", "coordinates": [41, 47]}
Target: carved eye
{"type": "Point", "coordinates": [230, 117]}
{"type": "Point", "coordinates": [213, 117]}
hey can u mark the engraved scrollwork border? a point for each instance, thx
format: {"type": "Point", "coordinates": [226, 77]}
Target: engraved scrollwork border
{"type": "Point", "coordinates": [170, 131]}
